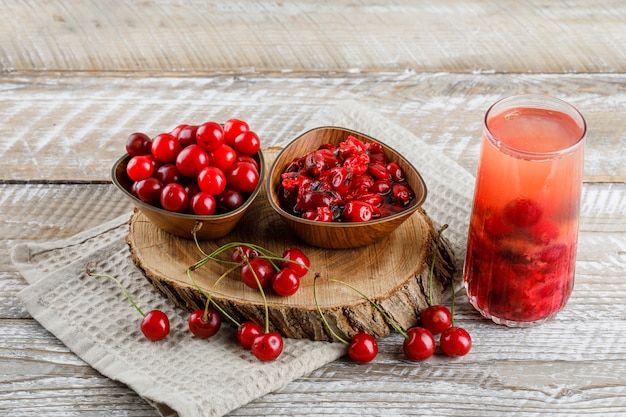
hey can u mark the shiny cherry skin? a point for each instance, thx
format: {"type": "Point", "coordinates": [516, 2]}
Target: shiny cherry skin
{"type": "Point", "coordinates": [210, 136]}
{"type": "Point", "coordinates": [247, 332]}
{"type": "Point", "coordinates": [233, 128]}
{"type": "Point", "coordinates": [247, 143]}
{"type": "Point", "coordinates": [165, 148]}
{"type": "Point", "coordinates": [203, 204]}
{"type": "Point", "coordinates": [267, 347]}
{"type": "Point", "coordinates": [191, 160]}
{"type": "Point", "coordinates": [140, 167]}
{"type": "Point", "coordinates": [149, 190]}
{"type": "Point", "coordinates": [242, 177]}
{"type": "Point", "coordinates": [257, 268]}
{"type": "Point", "coordinates": [138, 144]}
{"type": "Point", "coordinates": [362, 348]}
{"type": "Point", "coordinates": [204, 324]}
{"type": "Point", "coordinates": [420, 344]}
{"type": "Point", "coordinates": [285, 282]}
{"type": "Point", "coordinates": [229, 200]}
{"type": "Point", "coordinates": [212, 180]}
{"type": "Point", "coordinates": [295, 259]}
{"type": "Point", "coordinates": [186, 135]}
{"type": "Point", "coordinates": [155, 325]}
{"type": "Point", "coordinates": [455, 341]}
{"type": "Point", "coordinates": [224, 157]}
{"type": "Point", "coordinates": [436, 318]}
{"type": "Point", "coordinates": [243, 252]}
{"type": "Point", "coordinates": [174, 198]}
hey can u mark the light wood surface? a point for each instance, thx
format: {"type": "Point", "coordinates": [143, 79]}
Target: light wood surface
{"type": "Point", "coordinates": [77, 76]}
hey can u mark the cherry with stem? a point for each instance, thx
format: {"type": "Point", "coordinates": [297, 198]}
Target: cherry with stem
{"type": "Point", "coordinates": [246, 331]}
{"type": "Point", "coordinates": [362, 347]}
{"type": "Point", "coordinates": [435, 318]}
{"type": "Point", "coordinates": [455, 341]}
{"type": "Point", "coordinates": [419, 343]}
{"type": "Point", "coordinates": [155, 325]}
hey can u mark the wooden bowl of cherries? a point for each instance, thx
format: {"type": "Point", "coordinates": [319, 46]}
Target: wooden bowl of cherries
{"type": "Point", "coordinates": [337, 188]}
{"type": "Point", "coordinates": [198, 178]}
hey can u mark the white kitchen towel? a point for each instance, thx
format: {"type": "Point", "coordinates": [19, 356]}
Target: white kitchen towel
{"type": "Point", "coordinates": [181, 375]}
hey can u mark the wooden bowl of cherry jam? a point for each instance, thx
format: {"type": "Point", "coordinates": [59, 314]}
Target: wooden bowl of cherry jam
{"type": "Point", "coordinates": [337, 188]}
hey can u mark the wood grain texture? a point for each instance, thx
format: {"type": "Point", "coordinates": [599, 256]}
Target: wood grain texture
{"type": "Point", "coordinates": [247, 37]}
{"type": "Point", "coordinates": [75, 128]}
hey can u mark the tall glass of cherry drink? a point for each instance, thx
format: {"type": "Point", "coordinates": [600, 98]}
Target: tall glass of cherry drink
{"type": "Point", "coordinates": [523, 232]}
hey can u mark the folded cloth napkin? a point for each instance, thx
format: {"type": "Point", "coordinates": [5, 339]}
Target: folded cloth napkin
{"type": "Point", "coordinates": [182, 375]}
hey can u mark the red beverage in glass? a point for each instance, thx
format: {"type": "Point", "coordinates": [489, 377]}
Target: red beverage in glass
{"type": "Point", "coordinates": [521, 250]}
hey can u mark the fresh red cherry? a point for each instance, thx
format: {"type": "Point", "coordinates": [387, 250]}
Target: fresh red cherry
{"type": "Point", "coordinates": [229, 200]}
{"type": "Point", "coordinates": [191, 160]}
{"type": "Point", "coordinates": [138, 144]}
{"type": "Point", "coordinates": [224, 157]}
{"type": "Point", "coordinates": [242, 177]}
{"type": "Point", "coordinates": [165, 148]}
{"type": "Point", "coordinates": [210, 136]}
{"type": "Point", "coordinates": [285, 282]}
{"type": "Point", "coordinates": [247, 332]}
{"type": "Point", "coordinates": [257, 268]}
{"type": "Point", "coordinates": [176, 131]}
{"type": "Point", "coordinates": [295, 259]}
{"type": "Point", "coordinates": [455, 341]}
{"type": "Point", "coordinates": [203, 204]}
{"type": "Point", "coordinates": [233, 128]}
{"type": "Point", "coordinates": [268, 346]}
{"type": "Point", "coordinates": [212, 180]}
{"type": "Point", "coordinates": [167, 173]}
{"type": "Point", "coordinates": [186, 135]}
{"type": "Point", "coordinates": [174, 198]}
{"type": "Point", "coordinates": [149, 190]}
{"type": "Point", "coordinates": [362, 348]}
{"type": "Point", "coordinates": [204, 324]}
{"type": "Point", "coordinates": [140, 167]}
{"type": "Point", "coordinates": [420, 344]}
{"type": "Point", "coordinates": [247, 143]}
{"type": "Point", "coordinates": [436, 318]}
{"type": "Point", "coordinates": [155, 325]}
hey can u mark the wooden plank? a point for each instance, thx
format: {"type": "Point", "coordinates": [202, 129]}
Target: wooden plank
{"type": "Point", "coordinates": [295, 36]}
{"type": "Point", "coordinates": [75, 128]}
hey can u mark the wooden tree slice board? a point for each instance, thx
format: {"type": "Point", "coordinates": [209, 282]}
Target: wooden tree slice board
{"type": "Point", "coordinates": [393, 271]}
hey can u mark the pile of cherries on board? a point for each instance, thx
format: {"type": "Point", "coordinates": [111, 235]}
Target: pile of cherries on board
{"type": "Point", "coordinates": [349, 182]}
{"type": "Point", "coordinates": [201, 169]}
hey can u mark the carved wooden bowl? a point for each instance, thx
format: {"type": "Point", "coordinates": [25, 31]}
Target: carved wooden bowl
{"type": "Point", "coordinates": [182, 224]}
{"type": "Point", "coordinates": [340, 235]}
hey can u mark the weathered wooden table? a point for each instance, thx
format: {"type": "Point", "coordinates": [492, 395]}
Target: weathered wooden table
{"type": "Point", "coordinates": [77, 76]}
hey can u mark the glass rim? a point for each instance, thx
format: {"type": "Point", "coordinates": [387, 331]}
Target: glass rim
{"type": "Point", "coordinates": [533, 101]}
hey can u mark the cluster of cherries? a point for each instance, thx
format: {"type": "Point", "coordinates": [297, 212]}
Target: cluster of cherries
{"type": "Point", "coordinates": [199, 169]}
{"type": "Point", "coordinates": [260, 269]}
{"type": "Point", "coordinates": [419, 342]}
{"type": "Point", "coordinates": [349, 182]}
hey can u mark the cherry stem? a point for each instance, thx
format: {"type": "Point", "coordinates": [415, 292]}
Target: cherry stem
{"type": "Point", "coordinates": [258, 283]}
{"type": "Point", "coordinates": [391, 321]}
{"type": "Point", "coordinates": [119, 284]}
{"type": "Point", "coordinates": [319, 310]}
{"type": "Point", "coordinates": [432, 265]}
{"type": "Point", "coordinates": [210, 300]}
